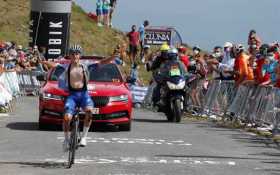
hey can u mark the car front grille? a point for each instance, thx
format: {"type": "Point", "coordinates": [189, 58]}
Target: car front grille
{"type": "Point", "coordinates": [100, 101]}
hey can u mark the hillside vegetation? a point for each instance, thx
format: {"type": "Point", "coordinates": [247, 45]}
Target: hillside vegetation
{"type": "Point", "coordinates": [15, 19]}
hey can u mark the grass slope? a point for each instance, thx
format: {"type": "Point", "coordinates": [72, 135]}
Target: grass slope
{"type": "Point", "coordinates": [14, 27]}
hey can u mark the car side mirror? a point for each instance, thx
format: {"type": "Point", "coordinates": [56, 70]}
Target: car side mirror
{"type": "Point", "coordinates": [41, 77]}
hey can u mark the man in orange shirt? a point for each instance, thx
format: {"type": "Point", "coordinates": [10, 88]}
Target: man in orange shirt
{"type": "Point", "coordinates": [240, 65]}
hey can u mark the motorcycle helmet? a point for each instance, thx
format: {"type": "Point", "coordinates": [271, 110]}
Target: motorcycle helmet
{"type": "Point", "coordinates": [173, 53]}
{"type": "Point", "coordinates": [164, 47]}
{"type": "Point", "coordinates": [164, 50]}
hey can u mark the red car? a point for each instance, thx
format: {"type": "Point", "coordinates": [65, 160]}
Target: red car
{"type": "Point", "coordinates": [107, 87]}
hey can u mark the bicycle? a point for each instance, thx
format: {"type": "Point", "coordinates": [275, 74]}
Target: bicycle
{"type": "Point", "coordinates": [75, 137]}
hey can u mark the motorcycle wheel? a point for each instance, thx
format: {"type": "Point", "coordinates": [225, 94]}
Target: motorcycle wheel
{"type": "Point", "coordinates": [177, 110]}
{"type": "Point", "coordinates": [169, 116]}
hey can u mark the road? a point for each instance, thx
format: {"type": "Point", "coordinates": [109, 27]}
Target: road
{"type": "Point", "coordinates": [153, 147]}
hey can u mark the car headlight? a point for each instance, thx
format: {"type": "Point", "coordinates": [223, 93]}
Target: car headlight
{"type": "Point", "coordinates": [121, 98]}
{"type": "Point", "coordinates": [48, 96]}
{"type": "Point", "coordinates": [179, 86]}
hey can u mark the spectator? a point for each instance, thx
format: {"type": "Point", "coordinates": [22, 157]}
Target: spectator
{"type": "Point", "coordinates": [254, 41]}
{"type": "Point", "coordinates": [105, 12]}
{"type": "Point", "coordinates": [275, 50]}
{"type": "Point", "coordinates": [133, 78]}
{"type": "Point", "coordinates": [197, 84]}
{"type": "Point", "coordinates": [99, 6]}
{"type": "Point", "coordinates": [226, 66]}
{"type": "Point", "coordinates": [251, 77]}
{"type": "Point", "coordinates": [118, 58]}
{"type": "Point", "coordinates": [218, 53]}
{"type": "Point", "coordinates": [2, 66]}
{"type": "Point", "coordinates": [259, 77]}
{"type": "Point", "coordinates": [194, 57]}
{"type": "Point", "coordinates": [113, 4]}
{"type": "Point", "coordinates": [146, 54]}
{"type": "Point", "coordinates": [269, 69]}
{"type": "Point", "coordinates": [133, 37]}
{"type": "Point", "coordinates": [183, 56]}
{"type": "Point", "coordinates": [11, 59]}
{"type": "Point", "coordinates": [240, 64]}
{"type": "Point", "coordinates": [277, 72]}
{"type": "Point", "coordinates": [141, 31]}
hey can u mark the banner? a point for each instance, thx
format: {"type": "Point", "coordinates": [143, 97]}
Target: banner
{"type": "Point", "coordinates": [157, 37]}
{"type": "Point", "coordinates": [160, 35]}
{"type": "Point", "coordinates": [50, 26]}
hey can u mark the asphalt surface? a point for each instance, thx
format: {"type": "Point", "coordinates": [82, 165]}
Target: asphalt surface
{"type": "Point", "coordinates": [153, 147]}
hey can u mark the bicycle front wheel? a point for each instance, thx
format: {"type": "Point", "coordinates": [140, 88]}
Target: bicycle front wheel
{"type": "Point", "coordinates": [73, 143]}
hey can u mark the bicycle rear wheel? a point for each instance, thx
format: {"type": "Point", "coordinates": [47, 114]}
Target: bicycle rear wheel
{"type": "Point", "coordinates": [73, 142]}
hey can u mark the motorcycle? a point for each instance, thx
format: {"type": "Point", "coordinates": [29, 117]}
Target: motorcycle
{"type": "Point", "coordinates": [173, 93]}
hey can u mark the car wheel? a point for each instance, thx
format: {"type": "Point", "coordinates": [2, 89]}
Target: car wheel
{"type": "Point", "coordinates": [125, 127]}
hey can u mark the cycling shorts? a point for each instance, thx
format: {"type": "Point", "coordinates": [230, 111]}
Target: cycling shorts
{"type": "Point", "coordinates": [77, 99]}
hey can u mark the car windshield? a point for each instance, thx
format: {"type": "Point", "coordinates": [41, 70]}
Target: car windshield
{"type": "Point", "coordinates": [104, 73]}
{"type": "Point", "coordinates": [98, 73]}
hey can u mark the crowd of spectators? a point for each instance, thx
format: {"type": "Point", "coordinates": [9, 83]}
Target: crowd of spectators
{"type": "Point", "coordinates": [14, 57]}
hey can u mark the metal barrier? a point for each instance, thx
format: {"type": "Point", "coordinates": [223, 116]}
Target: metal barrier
{"type": "Point", "coordinates": [252, 104]}
{"type": "Point", "coordinates": [249, 103]}
{"type": "Point", "coordinates": [28, 82]}
{"type": "Point", "coordinates": [15, 84]}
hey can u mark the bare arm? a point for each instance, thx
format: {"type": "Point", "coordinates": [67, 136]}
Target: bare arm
{"type": "Point", "coordinates": [107, 60]}
{"type": "Point", "coordinates": [49, 64]}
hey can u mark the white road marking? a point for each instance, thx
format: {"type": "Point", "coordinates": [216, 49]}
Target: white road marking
{"type": "Point", "coordinates": [134, 141]}
{"type": "Point", "coordinates": [4, 115]}
{"type": "Point", "coordinates": [143, 160]}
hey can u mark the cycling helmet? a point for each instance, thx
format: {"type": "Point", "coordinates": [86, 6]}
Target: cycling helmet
{"type": "Point", "coordinates": [173, 53]}
{"type": "Point", "coordinates": [75, 49]}
{"type": "Point", "coordinates": [164, 47]}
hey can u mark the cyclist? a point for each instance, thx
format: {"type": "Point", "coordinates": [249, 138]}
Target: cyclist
{"type": "Point", "coordinates": [75, 81]}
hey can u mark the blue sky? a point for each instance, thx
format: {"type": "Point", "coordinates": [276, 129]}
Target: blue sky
{"type": "Point", "coordinates": [201, 22]}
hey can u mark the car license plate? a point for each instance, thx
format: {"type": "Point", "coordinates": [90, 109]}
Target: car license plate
{"type": "Point", "coordinates": [95, 111]}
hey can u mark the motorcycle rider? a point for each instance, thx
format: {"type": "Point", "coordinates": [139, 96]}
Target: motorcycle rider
{"type": "Point", "coordinates": [164, 72]}
{"type": "Point", "coordinates": [155, 65]}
